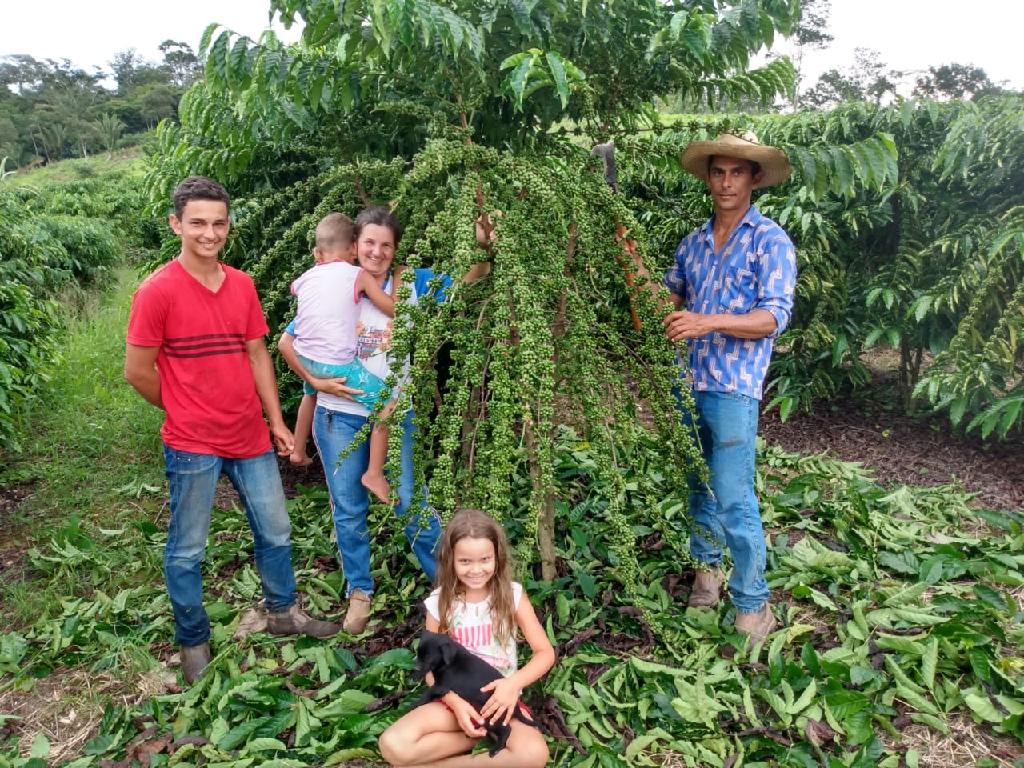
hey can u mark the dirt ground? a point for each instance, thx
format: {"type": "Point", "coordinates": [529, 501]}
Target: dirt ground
{"type": "Point", "coordinates": [921, 451]}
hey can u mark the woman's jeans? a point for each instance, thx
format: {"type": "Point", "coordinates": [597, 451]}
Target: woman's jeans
{"type": "Point", "coordinates": [193, 480]}
{"type": "Point", "coordinates": [727, 510]}
{"type": "Point", "coordinates": [332, 433]}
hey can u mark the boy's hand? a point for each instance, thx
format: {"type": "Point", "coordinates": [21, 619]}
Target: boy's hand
{"type": "Point", "coordinates": [284, 440]}
{"type": "Point", "coordinates": [504, 699]}
{"type": "Point", "coordinates": [469, 719]}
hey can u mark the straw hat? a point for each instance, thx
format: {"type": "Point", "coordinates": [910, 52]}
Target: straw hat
{"type": "Point", "coordinates": [775, 166]}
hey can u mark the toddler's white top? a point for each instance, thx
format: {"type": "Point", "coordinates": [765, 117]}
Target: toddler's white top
{"type": "Point", "coordinates": [325, 325]}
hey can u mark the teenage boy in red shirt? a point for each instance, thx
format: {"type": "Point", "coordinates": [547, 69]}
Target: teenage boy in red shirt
{"type": "Point", "coordinates": [195, 349]}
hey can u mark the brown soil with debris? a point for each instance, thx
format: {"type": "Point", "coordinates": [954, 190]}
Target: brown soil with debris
{"type": "Point", "coordinates": [922, 450]}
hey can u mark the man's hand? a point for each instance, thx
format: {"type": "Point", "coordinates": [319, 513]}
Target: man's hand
{"type": "Point", "coordinates": [755, 324]}
{"type": "Point", "coordinates": [684, 324]}
{"type": "Point", "coordinates": [283, 439]}
{"type": "Point", "coordinates": [504, 699]}
{"type": "Point", "coordinates": [469, 719]}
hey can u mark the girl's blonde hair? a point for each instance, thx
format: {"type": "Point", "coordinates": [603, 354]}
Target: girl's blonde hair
{"type": "Point", "coordinates": [475, 524]}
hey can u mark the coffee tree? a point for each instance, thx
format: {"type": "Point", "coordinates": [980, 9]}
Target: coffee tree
{"type": "Point", "coordinates": [453, 111]}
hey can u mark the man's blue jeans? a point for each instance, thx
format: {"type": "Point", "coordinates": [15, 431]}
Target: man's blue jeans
{"type": "Point", "coordinates": [332, 433]}
{"type": "Point", "coordinates": [193, 480]}
{"type": "Point", "coordinates": [727, 511]}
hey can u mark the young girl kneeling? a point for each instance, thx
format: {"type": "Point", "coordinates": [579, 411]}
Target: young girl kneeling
{"type": "Point", "coordinates": [478, 604]}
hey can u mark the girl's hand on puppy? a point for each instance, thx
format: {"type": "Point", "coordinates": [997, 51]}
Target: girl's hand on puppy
{"type": "Point", "coordinates": [469, 720]}
{"type": "Point", "coordinates": [503, 701]}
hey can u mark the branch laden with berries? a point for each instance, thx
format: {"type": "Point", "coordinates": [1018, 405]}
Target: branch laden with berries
{"type": "Point", "coordinates": [450, 112]}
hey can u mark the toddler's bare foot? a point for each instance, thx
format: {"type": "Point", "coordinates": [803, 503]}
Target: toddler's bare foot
{"type": "Point", "coordinates": [299, 458]}
{"type": "Point", "coordinates": [378, 485]}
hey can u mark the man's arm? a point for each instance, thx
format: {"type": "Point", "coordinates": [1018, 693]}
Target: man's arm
{"type": "Point", "coordinates": [755, 324]}
{"type": "Point", "coordinates": [266, 388]}
{"type": "Point", "coordinates": [140, 371]}
{"type": "Point", "coordinates": [776, 280]}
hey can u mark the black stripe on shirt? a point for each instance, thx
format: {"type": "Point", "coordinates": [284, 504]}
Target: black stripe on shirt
{"type": "Point", "coordinates": [206, 336]}
{"type": "Point", "coordinates": [208, 353]}
{"type": "Point", "coordinates": [205, 345]}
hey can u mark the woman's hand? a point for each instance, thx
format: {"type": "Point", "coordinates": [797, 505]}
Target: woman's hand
{"type": "Point", "coordinates": [334, 387]}
{"type": "Point", "coordinates": [469, 719]}
{"type": "Point", "coordinates": [504, 699]}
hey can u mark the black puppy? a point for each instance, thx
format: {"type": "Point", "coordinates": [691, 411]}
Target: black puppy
{"type": "Point", "coordinates": [457, 670]}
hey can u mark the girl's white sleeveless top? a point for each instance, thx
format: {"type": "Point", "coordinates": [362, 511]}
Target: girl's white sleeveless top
{"type": "Point", "coordinates": [471, 626]}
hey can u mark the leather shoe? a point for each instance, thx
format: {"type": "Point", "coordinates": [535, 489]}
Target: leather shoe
{"type": "Point", "coordinates": [294, 621]}
{"type": "Point", "coordinates": [706, 588]}
{"type": "Point", "coordinates": [758, 624]}
{"type": "Point", "coordinates": [358, 613]}
{"type": "Point", "coordinates": [194, 659]}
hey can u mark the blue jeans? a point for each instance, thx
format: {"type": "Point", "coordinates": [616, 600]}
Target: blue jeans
{"type": "Point", "coordinates": [727, 511]}
{"type": "Point", "coordinates": [193, 479]}
{"type": "Point", "coordinates": [332, 433]}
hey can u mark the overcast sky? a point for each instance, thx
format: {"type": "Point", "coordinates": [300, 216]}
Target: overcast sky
{"type": "Point", "coordinates": [909, 34]}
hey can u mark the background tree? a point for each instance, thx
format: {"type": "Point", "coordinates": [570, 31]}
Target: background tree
{"type": "Point", "coordinates": [810, 33]}
{"type": "Point", "coordinates": [181, 61]}
{"type": "Point", "coordinates": [125, 67]}
{"type": "Point", "coordinates": [955, 81]}
{"type": "Point", "coordinates": [9, 135]}
{"type": "Point", "coordinates": [868, 79]}
{"type": "Point", "coordinates": [109, 128]}
{"type": "Point", "coordinates": [34, 95]}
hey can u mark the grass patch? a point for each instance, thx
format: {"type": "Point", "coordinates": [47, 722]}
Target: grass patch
{"type": "Point", "coordinates": [91, 461]}
{"type": "Point", "coordinates": [78, 168]}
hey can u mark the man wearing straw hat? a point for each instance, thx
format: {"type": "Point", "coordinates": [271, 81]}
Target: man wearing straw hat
{"type": "Point", "coordinates": [732, 288]}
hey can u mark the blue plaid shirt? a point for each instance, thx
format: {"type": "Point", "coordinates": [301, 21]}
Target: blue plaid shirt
{"type": "Point", "coordinates": [755, 270]}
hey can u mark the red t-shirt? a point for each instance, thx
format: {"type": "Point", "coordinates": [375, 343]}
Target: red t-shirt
{"type": "Point", "coordinates": [206, 380]}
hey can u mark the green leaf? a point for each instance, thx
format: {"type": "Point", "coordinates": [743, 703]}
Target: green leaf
{"type": "Point", "coordinates": [558, 74]}
{"type": "Point", "coordinates": [805, 700]}
{"type": "Point", "coordinates": [562, 608]}
{"type": "Point", "coordinates": [786, 405]}
{"type": "Point", "coordinates": [204, 39]}
{"type": "Point", "coordinates": [643, 741]}
{"type": "Point", "coordinates": [932, 721]}
{"type": "Point", "coordinates": [921, 307]}
{"type": "Point", "coordinates": [901, 644]}
{"type": "Point", "coordinates": [518, 78]}
{"type": "Point", "coordinates": [265, 745]}
{"type": "Point", "coordinates": [349, 702]}
{"type": "Point", "coordinates": [240, 733]}
{"type": "Point", "coordinates": [916, 700]}
{"type": "Point", "coordinates": [40, 746]}
{"type": "Point", "coordinates": [587, 583]}
{"type": "Point", "coordinates": [345, 755]}
{"type": "Point", "coordinates": [982, 707]}
{"type": "Point", "coordinates": [957, 409]}
{"type": "Point", "coordinates": [401, 658]}
{"type": "Point", "coordinates": [928, 663]}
